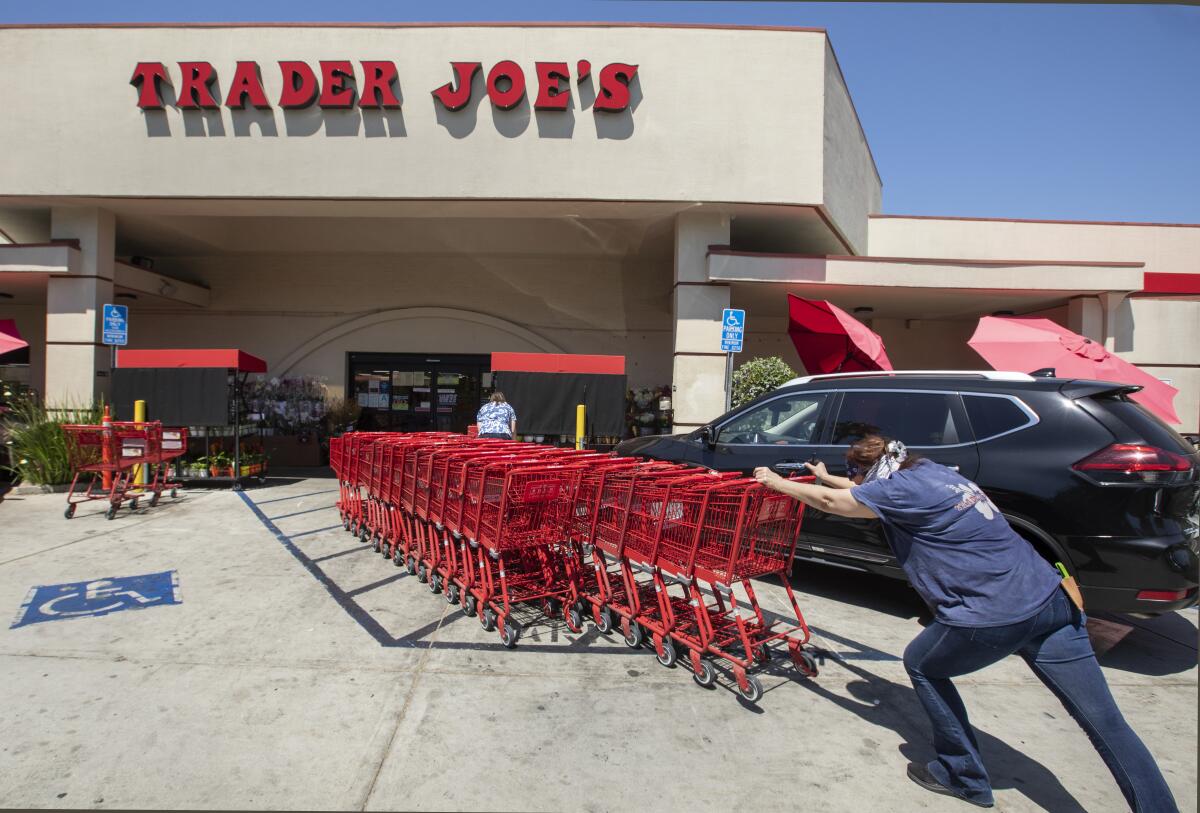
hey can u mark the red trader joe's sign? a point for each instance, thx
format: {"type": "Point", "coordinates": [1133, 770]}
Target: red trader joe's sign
{"type": "Point", "coordinates": [339, 84]}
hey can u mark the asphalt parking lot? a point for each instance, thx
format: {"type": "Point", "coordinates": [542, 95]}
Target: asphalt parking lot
{"type": "Point", "coordinates": [279, 663]}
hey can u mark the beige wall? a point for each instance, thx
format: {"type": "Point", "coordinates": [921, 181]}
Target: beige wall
{"type": "Point", "coordinates": [852, 188]}
{"type": "Point", "coordinates": [303, 313]}
{"type": "Point", "coordinates": [746, 101]}
{"type": "Point", "coordinates": [1164, 249]}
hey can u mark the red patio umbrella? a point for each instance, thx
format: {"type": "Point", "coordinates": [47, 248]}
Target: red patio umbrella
{"type": "Point", "coordinates": [1027, 344]}
{"type": "Point", "coordinates": [829, 340]}
{"type": "Point", "coordinates": [10, 337]}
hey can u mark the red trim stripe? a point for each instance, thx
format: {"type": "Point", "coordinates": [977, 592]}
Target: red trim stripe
{"type": "Point", "coordinates": [229, 359]}
{"type": "Point", "coordinates": [557, 363]}
{"type": "Point", "coordinates": [1158, 283]}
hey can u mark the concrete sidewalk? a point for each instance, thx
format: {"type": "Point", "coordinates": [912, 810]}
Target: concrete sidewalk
{"type": "Point", "coordinates": [300, 670]}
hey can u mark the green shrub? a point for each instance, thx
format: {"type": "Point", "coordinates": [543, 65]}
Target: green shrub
{"type": "Point", "coordinates": [759, 376]}
{"type": "Point", "coordinates": [37, 448]}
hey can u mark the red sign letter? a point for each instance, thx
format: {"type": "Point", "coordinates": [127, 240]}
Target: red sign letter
{"type": "Point", "coordinates": [148, 75]}
{"type": "Point", "coordinates": [197, 86]}
{"type": "Point", "coordinates": [456, 99]}
{"type": "Point", "coordinates": [299, 85]}
{"type": "Point", "coordinates": [613, 96]}
{"type": "Point", "coordinates": [506, 99]}
{"type": "Point", "coordinates": [551, 94]}
{"type": "Point", "coordinates": [377, 85]}
{"type": "Point", "coordinates": [246, 82]}
{"type": "Point", "coordinates": [334, 92]}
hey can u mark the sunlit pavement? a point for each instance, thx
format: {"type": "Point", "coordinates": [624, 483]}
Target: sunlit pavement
{"type": "Point", "coordinates": [300, 670]}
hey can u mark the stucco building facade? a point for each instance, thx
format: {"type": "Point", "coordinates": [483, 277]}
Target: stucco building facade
{"type": "Point", "coordinates": [220, 182]}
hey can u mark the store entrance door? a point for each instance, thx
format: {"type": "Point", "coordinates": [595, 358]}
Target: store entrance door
{"type": "Point", "coordinates": [412, 392]}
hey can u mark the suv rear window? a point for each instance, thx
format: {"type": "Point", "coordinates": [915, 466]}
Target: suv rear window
{"type": "Point", "coordinates": [1153, 431]}
{"type": "Point", "coordinates": [991, 415]}
{"type": "Point", "coordinates": [915, 418]}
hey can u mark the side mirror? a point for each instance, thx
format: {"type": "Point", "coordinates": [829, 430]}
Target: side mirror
{"type": "Point", "coordinates": [706, 435]}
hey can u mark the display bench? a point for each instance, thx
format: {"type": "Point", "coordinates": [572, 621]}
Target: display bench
{"type": "Point", "coordinates": [203, 390]}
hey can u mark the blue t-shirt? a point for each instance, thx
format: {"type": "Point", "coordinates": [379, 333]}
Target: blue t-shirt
{"type": "Point", "coordinates": [960, 554]}
{"type": "Point", "coordinates": [495, 418]}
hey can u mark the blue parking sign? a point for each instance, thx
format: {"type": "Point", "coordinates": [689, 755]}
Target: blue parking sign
{"type": "Point", "coordinates": [116, 324]}
{"type": "Point", "coordinates": [733, 330]}
{"type": "Point", "coordinates": [57, 602]}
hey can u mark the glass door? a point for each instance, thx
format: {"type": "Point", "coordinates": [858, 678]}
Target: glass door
{"type": "Point", "coordinates": [407, 392]}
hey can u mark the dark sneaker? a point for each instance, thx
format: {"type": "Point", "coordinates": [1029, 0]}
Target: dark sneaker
{"type": "Point", "coordinates": [921, 775]}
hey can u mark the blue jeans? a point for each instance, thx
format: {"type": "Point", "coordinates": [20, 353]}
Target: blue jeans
{"type": "Point", "coordinates": [1055, 645]}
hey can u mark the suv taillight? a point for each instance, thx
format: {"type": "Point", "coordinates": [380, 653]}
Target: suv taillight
{"type": "Point", "coordinates": [1131, 463]}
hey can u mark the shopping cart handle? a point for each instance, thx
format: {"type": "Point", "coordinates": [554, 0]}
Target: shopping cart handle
{"type": "Point", "coordinates": [789, 466]}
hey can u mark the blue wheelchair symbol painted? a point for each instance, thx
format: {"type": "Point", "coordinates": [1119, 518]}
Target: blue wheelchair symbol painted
{"type": "Point", "coordinates": [734, 318]}
{"type": "Point", "coordinates": [56, 602]}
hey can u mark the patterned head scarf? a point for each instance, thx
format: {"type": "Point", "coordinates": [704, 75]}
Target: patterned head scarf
{"type": "Point", "coordinates": [888, 463]}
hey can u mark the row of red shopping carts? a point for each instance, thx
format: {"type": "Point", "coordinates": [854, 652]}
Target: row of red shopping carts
{"type": "Point", "coordinates": [106, 460]}
{"type": "Point", "coordinates": [663, 552]}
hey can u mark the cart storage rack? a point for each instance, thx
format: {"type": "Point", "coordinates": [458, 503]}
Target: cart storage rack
{"type": "Point", "coordinates": [507, 529]}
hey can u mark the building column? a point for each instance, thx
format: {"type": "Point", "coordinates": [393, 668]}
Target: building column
{"type": "Point", "coordinates": [77, 364]}
{"type": "Point", "coordinates": [1100, 318]}
{"type": "Point", "coordinates": [698, 380]}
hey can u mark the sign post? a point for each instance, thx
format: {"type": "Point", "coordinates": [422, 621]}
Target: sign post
{"type": "Point", "coordinates": [733, 331]}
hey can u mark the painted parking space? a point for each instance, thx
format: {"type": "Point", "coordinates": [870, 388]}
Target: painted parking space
{"type": "Point", "coordinates": [98, 597]}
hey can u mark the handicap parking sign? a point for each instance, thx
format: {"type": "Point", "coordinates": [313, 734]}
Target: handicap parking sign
{"type": "Point", "coordinates": [116, 325]}
{"type": "Point", "coordinates": [56, 602]}
{"type": "Point", "coordinates": [733, 330]}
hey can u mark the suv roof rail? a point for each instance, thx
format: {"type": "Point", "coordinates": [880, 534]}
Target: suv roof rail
{"type": "Point", "coordinates": [990, 375]}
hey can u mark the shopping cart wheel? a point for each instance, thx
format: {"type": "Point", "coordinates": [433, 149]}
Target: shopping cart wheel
{"type": "Point", "coordinates": [111, 512]}
{"type": "Point", "coordinates": [753, 690]}
{"type": "Point", "coordinates": [707, 676]}
{"type": "Point", "coordinates": [133, 504]}
{"type": "Point", "coordinates": [422, 573]}
{"type": "Point", "coordinates": [762, 653]}
{"type": "Point", "coordinates": [805, 663]}
{"type": "Point", "coordinates": [365, 534]}
{"type": "Point", "coordinates": [345, 521]}
{"type": "Point", "coordinates": [435, 583]}
{"type": "Point", "coordinates": [70, 512]}
{"type": "Point", "coordinates": [411, 565]}
{"type": "Point", "coordinates": [452, 594]}
{"type": "Point", "coordinates": [510, 634]}
{"type": "Point", "coordinates": [635, 636]}
{"type": "Point", "coordinates": [174, 493]}
{"type": "Point", "coordinates": [487, 619]}
{"type": "Point", "coordinates": [397, 556]}
{"type": "Point", "coordinates": [469, 604]}
{"type": "Point", "coordinates": [604, 620]}
{"type": "Point", "coordinates": [574, 619]}
{"type": "Point", "coordinates": [154, 501]}
{"type": "Point", "coordinates": [668, 657]}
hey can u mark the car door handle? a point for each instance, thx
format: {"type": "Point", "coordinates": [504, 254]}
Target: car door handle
{"type": "Point", "coordinates": [952, 466]}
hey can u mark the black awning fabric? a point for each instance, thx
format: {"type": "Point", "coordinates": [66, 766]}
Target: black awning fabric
{"type": "Point", "coordinates": [175, 396]}
{"type": "Point", "coordinates": [545, 402]}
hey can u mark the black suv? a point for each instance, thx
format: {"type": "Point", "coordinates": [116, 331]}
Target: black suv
{"type": "Point", "coordinates": [1088, 476]}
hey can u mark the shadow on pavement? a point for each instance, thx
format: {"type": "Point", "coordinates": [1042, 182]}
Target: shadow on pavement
{"type": "Point", "coordinates": [867, 590]}
{"type": "Point", "coordinates": [889, 705]}
{"type": "Point", "coordinates": [1163, 645]}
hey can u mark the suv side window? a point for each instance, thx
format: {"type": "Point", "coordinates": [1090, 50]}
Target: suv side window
{"type": "Point", "coordinates": [914, 418]}
{"type": "Point", "coordinates": [991, 416]}
{"type": "Point", "coordinates": [790, 419]}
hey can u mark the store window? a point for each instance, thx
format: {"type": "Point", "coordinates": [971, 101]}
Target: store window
{"type": "Point", "coordinates": [914, 418]}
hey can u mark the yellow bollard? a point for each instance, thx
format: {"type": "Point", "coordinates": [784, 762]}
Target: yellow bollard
{"type": "Point", "coordinates": [580, 422]}
{"type": "Point", "coordinates": [139, 416]}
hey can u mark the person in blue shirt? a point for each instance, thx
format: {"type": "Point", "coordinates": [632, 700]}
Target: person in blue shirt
{"type": "Point", "coordinates": [991, 595]}
{"type": "Point", "coordinates": [497, 418]}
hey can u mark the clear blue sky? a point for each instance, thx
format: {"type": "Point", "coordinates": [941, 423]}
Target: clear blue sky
{"type": "Point", "coordinates": [1073, 112]}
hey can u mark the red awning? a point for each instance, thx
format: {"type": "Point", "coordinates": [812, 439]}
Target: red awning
{"type": "Point", "coordinates": [238, 360]}
{"type": "Point", "coordinates": [557, 363]}
{"type": "Point", "coordinates": [10, 337]}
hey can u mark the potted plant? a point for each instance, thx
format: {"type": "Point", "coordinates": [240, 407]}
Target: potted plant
{"type": "Point", "coordinates": [220, 465]}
